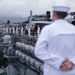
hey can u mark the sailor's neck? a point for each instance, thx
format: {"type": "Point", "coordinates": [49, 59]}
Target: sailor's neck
{"type": "Point", "coordinates": [60, 20]}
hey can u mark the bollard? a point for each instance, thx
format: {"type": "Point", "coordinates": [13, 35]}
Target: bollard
{"type": "Point", "coordinates": [10, 51]}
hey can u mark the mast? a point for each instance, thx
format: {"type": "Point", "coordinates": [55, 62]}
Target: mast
{"type": "Point", "coordinates": [30, 19]}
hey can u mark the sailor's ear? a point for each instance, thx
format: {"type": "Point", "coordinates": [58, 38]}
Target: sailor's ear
{"type": "Point", "coordinates": [54, 15]}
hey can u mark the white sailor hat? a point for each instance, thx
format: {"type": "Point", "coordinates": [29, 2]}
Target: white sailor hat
{"type": "Point", "coordinates": [61, 7]}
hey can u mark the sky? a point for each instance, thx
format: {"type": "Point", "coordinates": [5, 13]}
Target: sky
{"type": "Point", "coordinates": [21, 8]}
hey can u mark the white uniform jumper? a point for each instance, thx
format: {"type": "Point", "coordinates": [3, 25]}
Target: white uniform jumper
{"type": "Point", "coordinates": [56, 42]}
{"type": "Point", "coordinates": [22, 31]}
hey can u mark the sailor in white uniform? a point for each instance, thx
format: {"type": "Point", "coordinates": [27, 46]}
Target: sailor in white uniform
{"type": "Point", "coordinates": [17, 30]}
{"type": "Point", "coordinates": [38, 31]}
{"type": "Point", "coordinates": [6, 29]}
{"type": "Point", "coordinates": [29, 31]}
{"type": "Point", "coordinates": [21, 30]}
{"type": "Point", "coordinates": [56, 44]}
{"type": "Point", "coordinates": [13, 30]}
{"type": "Point", "coordinates": [9, 29]}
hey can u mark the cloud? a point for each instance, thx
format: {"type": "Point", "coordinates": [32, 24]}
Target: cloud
{"type": "Point", "coordinates": [21, 8]}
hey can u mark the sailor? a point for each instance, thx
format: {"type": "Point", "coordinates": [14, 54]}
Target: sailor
{"type": "Point", "coordinates": [56, 44]}
{"type": "Point", "coordinates": [6, 29]}
{"type": "Point", "coordinates": [29, 32]}
{"type": "Point", "coordinates": [21, 30]}
{"type": "Point", "coordinates": [33, 30]}
{"type": "Point", "coordinates": [10, 29]}
{"type": "Point", "coordinates": [38, 30]}
{"type": "Point", "coordinates": [13, 29]}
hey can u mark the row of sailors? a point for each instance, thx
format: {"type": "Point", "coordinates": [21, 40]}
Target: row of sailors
{"type": "Point", "coordinates": [18, 30]}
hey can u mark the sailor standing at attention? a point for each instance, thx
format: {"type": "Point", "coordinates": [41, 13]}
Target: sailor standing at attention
{"type": "Point", "coordinates": [56, 44]}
